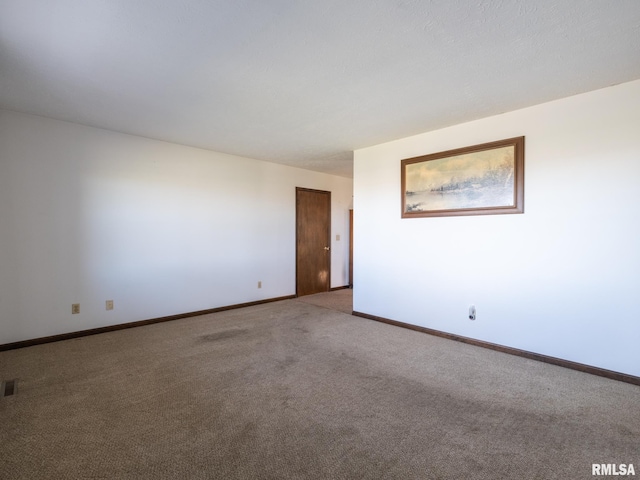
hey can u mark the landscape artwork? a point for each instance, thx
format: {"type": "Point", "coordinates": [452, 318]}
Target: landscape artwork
{"type": "Point", "coordinates": [479, 180]}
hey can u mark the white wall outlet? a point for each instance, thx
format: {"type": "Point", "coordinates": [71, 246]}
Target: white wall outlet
{"type": "Point", "coordinates": [259, 284]}
{"type": "Point", "coordinates": [109, 304]}
{"type": "Point", "coordinates": [75, 308]}
{"type": "Point", "coordinates": [337, 238]}
{"type": "Point", "coordinates": [472, 312]}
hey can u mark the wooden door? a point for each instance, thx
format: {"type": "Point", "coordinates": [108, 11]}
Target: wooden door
{"type": "Point", "coordinates": [313, 241]}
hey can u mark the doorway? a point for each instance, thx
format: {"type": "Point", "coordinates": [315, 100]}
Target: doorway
{"type": "Point", "coordinates": [313, 241]}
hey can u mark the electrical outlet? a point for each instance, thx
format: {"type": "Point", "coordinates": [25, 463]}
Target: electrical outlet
{"type": "Point", "coordinates": [109, 304]}
{"type": "Point", "coordinates": [75, 308]}
{"type": "Point", "coordinates": [337, 238]}
{"type": "Point", "coordinates": [259, 284]}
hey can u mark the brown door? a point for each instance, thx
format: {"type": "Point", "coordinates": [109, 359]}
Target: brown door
{"type": "Point", "coordinates": [313, 241]}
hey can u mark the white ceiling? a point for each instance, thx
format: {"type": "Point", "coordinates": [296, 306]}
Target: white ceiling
{"type": "Point", "coordinates": [302, 82]}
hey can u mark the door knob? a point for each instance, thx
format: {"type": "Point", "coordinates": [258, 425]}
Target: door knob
{"type": "Point", "coordinates": [327, 248]}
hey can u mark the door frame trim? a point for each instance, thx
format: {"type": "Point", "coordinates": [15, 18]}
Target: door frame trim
{"type": "Point", "coordinates": [314, 190]}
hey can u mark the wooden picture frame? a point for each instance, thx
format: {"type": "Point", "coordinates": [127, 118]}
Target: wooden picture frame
{"type": "Point", "coordinates": [486, 179]}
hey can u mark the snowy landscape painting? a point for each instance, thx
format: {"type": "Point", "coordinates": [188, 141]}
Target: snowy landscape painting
{"type": "Point", "coordinates": [479, 180]}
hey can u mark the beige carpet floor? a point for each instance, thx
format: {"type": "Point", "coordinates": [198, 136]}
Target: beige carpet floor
{"type": "Point", "coordinates": [341, 300]}
{"type": "Point", "coordinates": [291, 390]}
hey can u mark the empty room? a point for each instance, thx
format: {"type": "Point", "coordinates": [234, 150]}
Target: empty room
{"type": "Point", "coordinates": [338, 240]}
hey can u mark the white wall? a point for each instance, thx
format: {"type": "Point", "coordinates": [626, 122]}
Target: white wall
{"type": "Point", "coordinates": [562, 279]}
{"type": "Point", "coordinates": [89, 215]}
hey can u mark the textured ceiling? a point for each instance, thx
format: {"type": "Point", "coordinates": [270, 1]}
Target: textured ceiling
{"type": "Point", "coordinates": [305, 83]}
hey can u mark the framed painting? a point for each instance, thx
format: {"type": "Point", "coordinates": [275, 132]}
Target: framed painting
{"type": "Point", "coordinates": [485, 179]}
